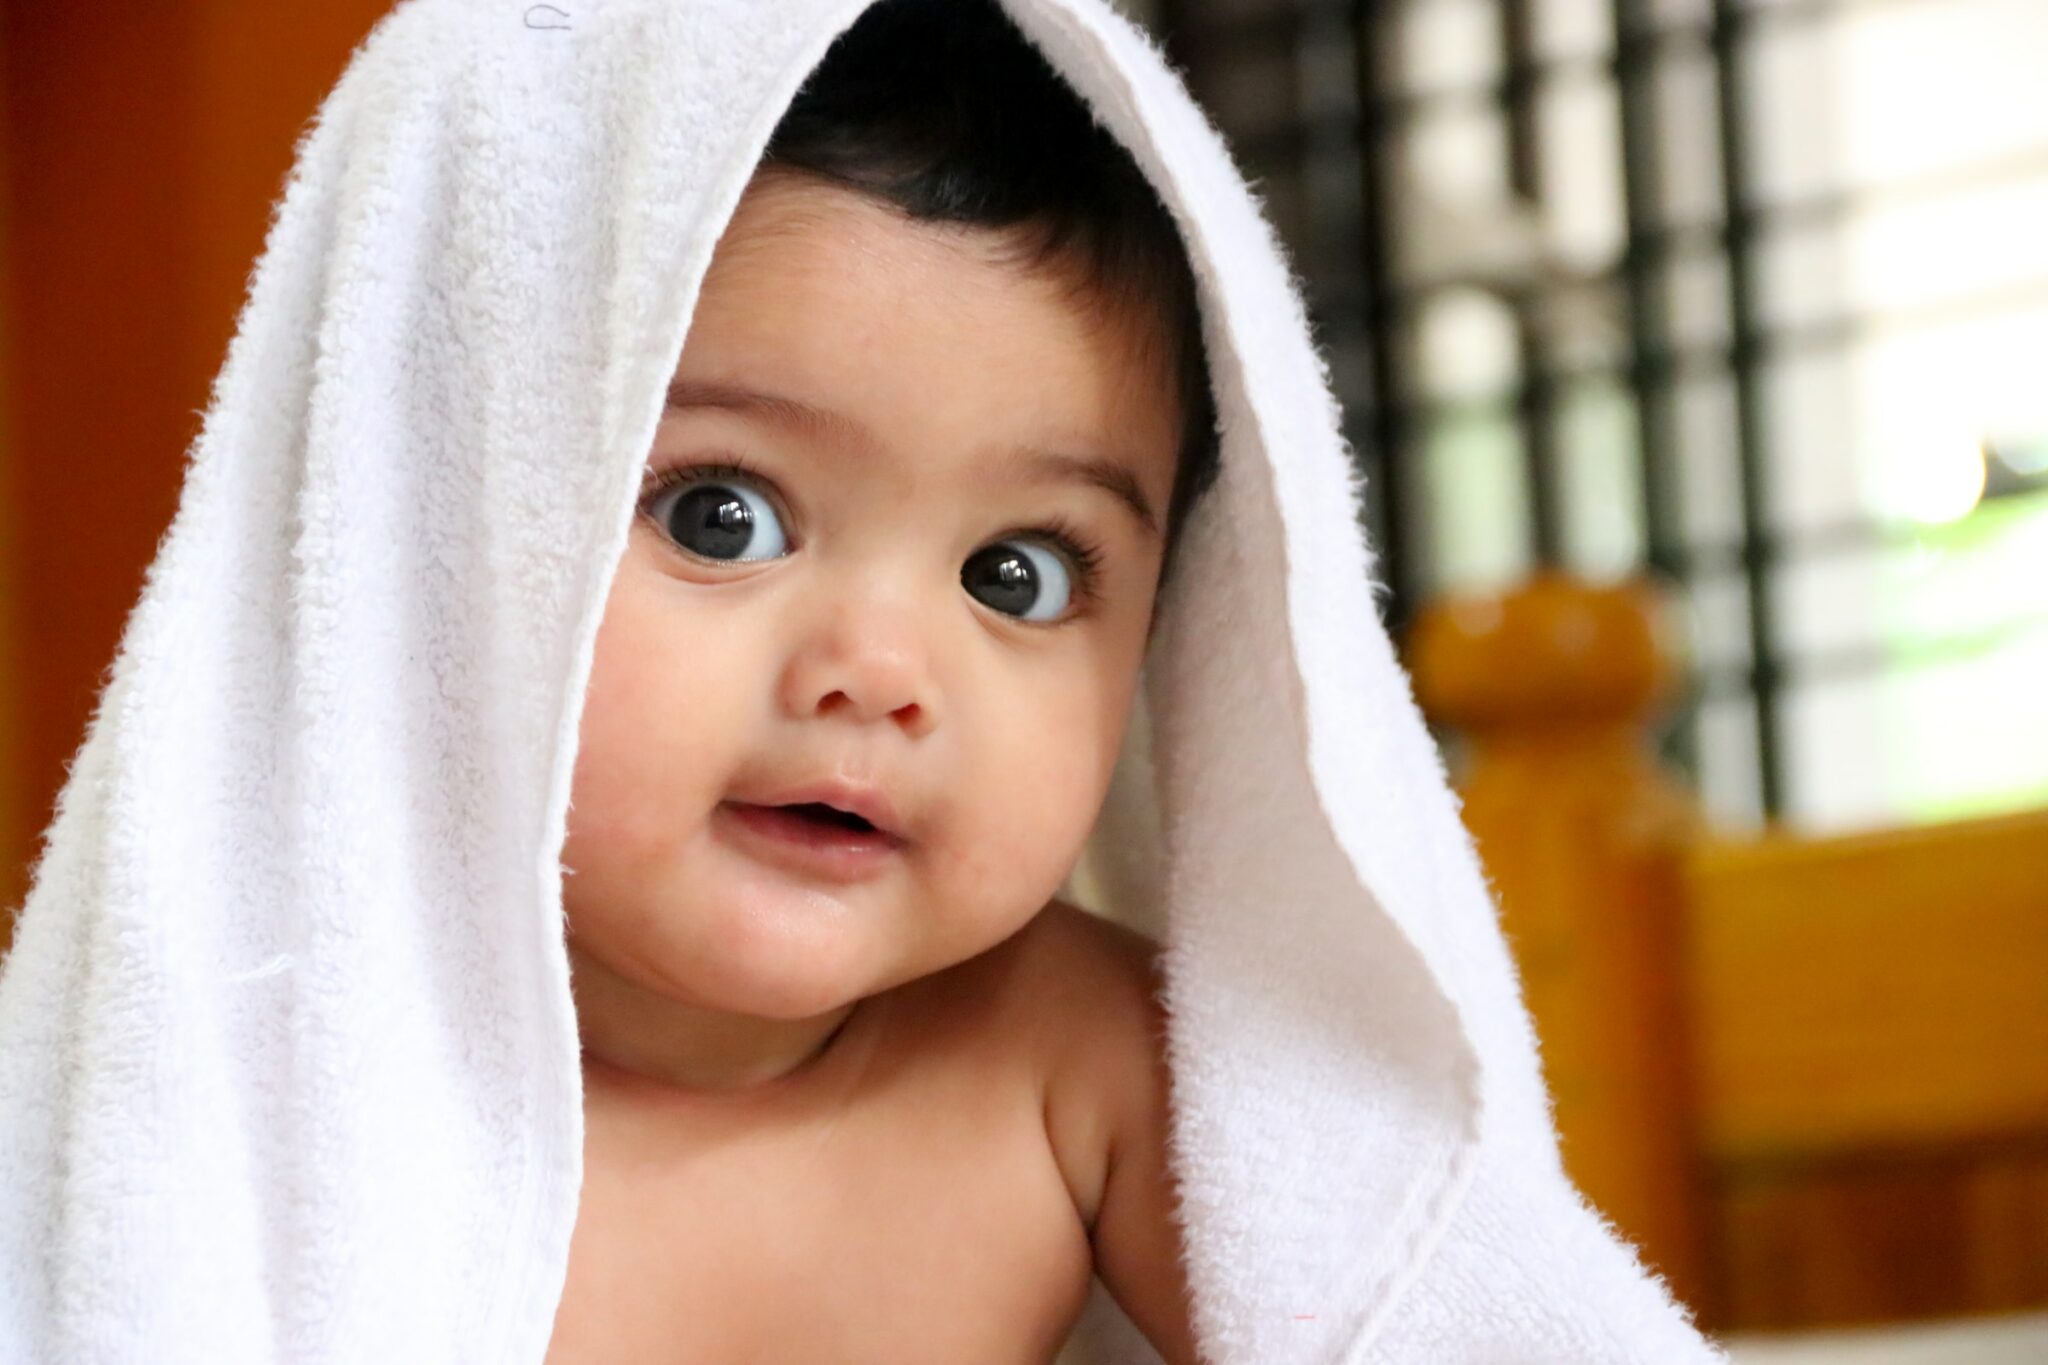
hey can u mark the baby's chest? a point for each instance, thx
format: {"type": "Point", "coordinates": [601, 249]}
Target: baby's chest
{"type": "Point", "coordinates": [906, 1236]}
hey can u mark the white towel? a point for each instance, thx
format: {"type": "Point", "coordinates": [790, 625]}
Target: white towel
{"type": "Point", "coordinates": [288, 1060]}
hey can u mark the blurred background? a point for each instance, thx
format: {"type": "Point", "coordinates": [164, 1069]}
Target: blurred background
{"type": "Point", "coordinates": [1751, 294]}
{"type": "Point", "coordinates": [1696, 354]}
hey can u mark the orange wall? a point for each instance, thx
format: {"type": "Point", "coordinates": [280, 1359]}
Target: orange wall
{"type": "Point", "coordinates": [144, 145]}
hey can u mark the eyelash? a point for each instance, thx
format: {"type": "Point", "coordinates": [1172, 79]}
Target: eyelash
{"type": "Point", "coordinates": [1081, 551]}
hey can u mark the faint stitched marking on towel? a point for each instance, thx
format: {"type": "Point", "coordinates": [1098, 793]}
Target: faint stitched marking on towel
{"type": "Point", "coordinates": [546, 18]}
{"type": "Point", "coordinates": [282, 962]}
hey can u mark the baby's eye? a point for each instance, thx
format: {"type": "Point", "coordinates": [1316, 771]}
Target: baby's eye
{"type": "Point", "coordinates": [720, 517]}
{"type": "Point", "coordinates": [1019, 579]}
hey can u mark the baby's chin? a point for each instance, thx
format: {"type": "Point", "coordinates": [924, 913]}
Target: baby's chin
{"type": "Point", "coordinates": [768, 961]}
{"type": "Point", "coordinates": [764, 941]}
{"type": "Point", "coordinates": [776, 952]}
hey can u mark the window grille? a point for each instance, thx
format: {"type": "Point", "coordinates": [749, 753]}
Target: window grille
{"type": "Point", "coordinates": [1752, 294]}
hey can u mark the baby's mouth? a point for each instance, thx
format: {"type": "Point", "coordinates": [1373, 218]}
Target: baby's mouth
{"type": "Point", "coordinates": [820, 835]}
{"type": "Point", "coordinates": [830, 815]}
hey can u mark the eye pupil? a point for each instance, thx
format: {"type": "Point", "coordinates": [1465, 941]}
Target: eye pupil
{"type": "Point", "coordinates": [713, 521]}
{"type": "Point", "coordinates": [1003, 578]}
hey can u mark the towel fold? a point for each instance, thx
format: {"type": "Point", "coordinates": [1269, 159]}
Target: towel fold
{"type": "Point", "coordinates": [288, 1059]}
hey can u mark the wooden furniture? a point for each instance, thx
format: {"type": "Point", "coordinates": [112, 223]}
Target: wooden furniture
{"type": "Point", "coordinates": [1808, 1076]}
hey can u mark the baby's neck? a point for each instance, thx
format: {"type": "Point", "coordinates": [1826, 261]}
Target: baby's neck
{"type": "Point", "coordinates": [641, 1038]}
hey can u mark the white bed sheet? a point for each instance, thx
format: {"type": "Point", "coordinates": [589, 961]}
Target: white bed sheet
{"type": "Point", "coordinates": [2007, 1340]}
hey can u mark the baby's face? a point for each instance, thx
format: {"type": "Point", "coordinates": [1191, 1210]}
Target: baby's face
{"type": "Point", "coordinates": [875, 600]}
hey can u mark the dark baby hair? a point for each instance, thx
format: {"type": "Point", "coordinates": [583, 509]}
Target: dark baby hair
{"type": "Point", "coordinates": [943, 109]}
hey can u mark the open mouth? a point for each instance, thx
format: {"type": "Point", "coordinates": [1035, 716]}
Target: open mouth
{"type": "Point", "coordinates": [814, 838]}
{"type": "Point", "coordinates": [829, 815]}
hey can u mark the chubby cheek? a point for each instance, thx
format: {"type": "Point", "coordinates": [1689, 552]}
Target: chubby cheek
{"type": "Point", "coordinates": [648, 762]}
{"type": "Point", "coordinates": [1038, 785]}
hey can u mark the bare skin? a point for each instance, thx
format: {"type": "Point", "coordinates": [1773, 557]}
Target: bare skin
{"type": "Point", "coordinates": [930, 1189]}
{"type": "Point", "coordinates": [903, 1115]}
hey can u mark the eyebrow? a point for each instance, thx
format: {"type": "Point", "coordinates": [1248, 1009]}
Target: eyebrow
{"type": "Point", "coordinates": [836, 428]}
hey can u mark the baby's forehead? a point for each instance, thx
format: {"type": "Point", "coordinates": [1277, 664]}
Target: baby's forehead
{"type": "Point", "coordinates": [831, 290]}
{"type": "Point", "coordinates": [852, 230]}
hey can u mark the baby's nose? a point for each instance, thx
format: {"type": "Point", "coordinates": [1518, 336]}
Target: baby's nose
{"type": "Point", "coordinates": [868, 663]}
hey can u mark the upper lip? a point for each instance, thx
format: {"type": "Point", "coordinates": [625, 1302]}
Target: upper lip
{"type": "Point", "coordinates": [869, 803]}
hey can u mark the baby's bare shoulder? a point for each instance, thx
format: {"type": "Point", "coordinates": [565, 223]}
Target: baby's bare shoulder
{"type": "Point", "coordinates": [1074, 940]}
{"type": "Point", "coordinates": [1108, 1114]}
{"type": "Point", "coordinates": [1091, 998]}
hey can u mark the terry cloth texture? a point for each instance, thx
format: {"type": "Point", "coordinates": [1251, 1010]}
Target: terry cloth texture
{"type": "Point", "coordinates": [289, 1065]}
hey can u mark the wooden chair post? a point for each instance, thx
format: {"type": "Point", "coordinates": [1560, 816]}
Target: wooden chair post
{"type": "Point", "coordinates": [1552, 689]}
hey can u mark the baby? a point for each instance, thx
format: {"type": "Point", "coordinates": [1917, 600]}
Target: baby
{"type": "Point", "coordinates": [858, 1086]}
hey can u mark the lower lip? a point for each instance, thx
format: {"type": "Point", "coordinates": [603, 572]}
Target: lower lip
{"type": "Point", "coordinates": [811, 845]}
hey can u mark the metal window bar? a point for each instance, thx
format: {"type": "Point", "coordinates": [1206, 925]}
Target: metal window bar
{"type": "Point", "coordinates": [1369, 305]}
{"type": "Point", "coordinates": [1536, 411]}
{"type": "Point", "coordinates": [1644, 252]}
{"type": "Point", "coordinates": [1389, 422]}
{"type": "Point", "coordinates": [1746, 360]}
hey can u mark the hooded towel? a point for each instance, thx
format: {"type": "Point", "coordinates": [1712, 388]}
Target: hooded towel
{"type": "Point", "coordinates": [289, 1068]}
